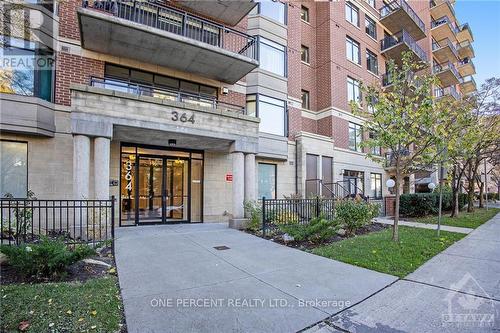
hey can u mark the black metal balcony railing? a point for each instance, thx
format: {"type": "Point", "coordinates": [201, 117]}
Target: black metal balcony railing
{"type": "Point", "coordinates": [444, 20]}
{"type": "Point", "coordinates": [444, 43]}
{"type": "Point", "coordinates": [178, 22]}
{"type": "Point", "coordinates": [397, 4]}
{"type": "Point", "coordinates": [164, 93]}
{"type": "Point", "coordinates": [438, 68]}
{"type": "Point", "coordinates": [403, 37]}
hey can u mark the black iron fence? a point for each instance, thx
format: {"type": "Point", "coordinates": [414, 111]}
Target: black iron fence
{"type": "Point", "coordinates": [276, 212]}
{"type": "Point", "coordinates": [75, 221]}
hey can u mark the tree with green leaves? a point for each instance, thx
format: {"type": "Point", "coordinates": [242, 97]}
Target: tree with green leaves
{"type": "Point", "coordinates": [407, 121]}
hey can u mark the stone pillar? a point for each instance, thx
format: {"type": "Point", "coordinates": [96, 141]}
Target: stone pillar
{"type": "Point", "coordinates": [412, 183]}
{"type": "Point", "coordinates": [238, 184]}
{"type": "Point", "coordinates": [101, 168]}
{"type": "Point", "coordinates": [250, 194]}
{"type": "Point", "coordinates": [81, 167]}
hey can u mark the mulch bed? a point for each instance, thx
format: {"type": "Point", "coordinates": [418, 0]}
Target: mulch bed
{"type": "Point", "coordinates": [78, 272]}
{"type": "Point", "coordinates": [307, 245]}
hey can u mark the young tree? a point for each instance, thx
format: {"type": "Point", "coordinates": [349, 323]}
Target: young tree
{"type": "Point", "coordinates": [407, 121]}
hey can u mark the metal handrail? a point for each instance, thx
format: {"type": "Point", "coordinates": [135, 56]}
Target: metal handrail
{"type": "Point", "coordinates": [395, 5]}
{"type": "Point", "coordinates": [152, 14]}
{"type": "Point", "coordinates": [466, 61]}
{"type": "Point", "coordinates": [469, 78]}
{"type": "Point", "coordinates": [465, 26]}
{"type": "Point", "coordinates": [437, 68]}
{"type": "Point", "coordinates": [164, 93]}
{"type": "Point", "coordinates": [444, 20]}
{"type": "Point", "coordinates": [403, 37]}
{"type": "Point", "coordinates": [438, 45]}
{"type": "Point", "coordinates": [448, 3]}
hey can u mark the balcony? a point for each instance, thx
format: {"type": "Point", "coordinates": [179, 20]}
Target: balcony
{"type": "Point", "coordinates": [443, 28]}
{"type": "Point", "coordinates": [465, 33]}
{"type": "Point", "coordinates": [465, 50]}
{"type": "Point", "coordinates": [168, 37]}
{"type": "Point", "coordinates": [398, 15]}
{"type": "Point", "coordinates": [227, 12]}
{"type": "Point", "coordinates": [442, 9]}
{"type": "Point", "coordinates": [466, 67]}
{"type": "Point", "coordinates": [444, 51]}
{"type": "Point", "coordinates": [200, 100]}
{"type": "Point", "coordinates": [392, 47]}
{"type": "Point", "coordinates": [468, 85]}
{"type": "Point", "coordinates": [447, 74]}
{"type": "Point", "coordinates": [448, 94]}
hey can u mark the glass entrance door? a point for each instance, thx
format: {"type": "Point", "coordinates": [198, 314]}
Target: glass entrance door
{"type": "Point", "coordinates": [177, 195]}
{"type": "Point", "coordinates": [151, 189]}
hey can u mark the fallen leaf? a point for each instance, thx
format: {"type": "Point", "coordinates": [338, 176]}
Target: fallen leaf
{"type": "Point", "coordinates": [93, 326]}
{"type": "Point", "coordinates": [80, 319]}
{"type": "Point", "coordinates": [69, 312]}
{"type": "Point", "coordinates": [93, 312]}
{"type": "Point", "coordinates": [51, 324]}
{"type": "Point", "coordinates": [23, 326]}
{"type": "Point", "coordinates": [112, 270]}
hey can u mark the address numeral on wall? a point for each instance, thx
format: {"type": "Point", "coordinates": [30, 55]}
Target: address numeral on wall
{"type": "Point", "coordinates": [183, 117]}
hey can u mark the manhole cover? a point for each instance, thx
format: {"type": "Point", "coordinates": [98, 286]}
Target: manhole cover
{"type": "Point", "coordinates": [221, 247]}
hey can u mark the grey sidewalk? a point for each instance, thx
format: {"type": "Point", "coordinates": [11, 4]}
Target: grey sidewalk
{"type": "Point", "coordinates": [455, 291]}
{"type": "Point", "coordinates": [167, 273]}
{"type": "Point", "coordinates": [424, 225]}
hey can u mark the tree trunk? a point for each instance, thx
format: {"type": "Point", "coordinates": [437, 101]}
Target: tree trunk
{"type": "Point", "coordinates": [455, 183]}
{"type": "Point", "coordinates": [470, 195]}
{"type": "Point", "coordinates": [481, 194]}
{"type": "Point", "coordinates": [395, 231]}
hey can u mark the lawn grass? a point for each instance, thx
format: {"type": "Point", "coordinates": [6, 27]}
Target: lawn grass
{"type": "Point", "coordinates": [464, 219]}
{"type": "Point", "coordinates": [378, 252]}
{"type": "Point", "coordinates": [92, 306]}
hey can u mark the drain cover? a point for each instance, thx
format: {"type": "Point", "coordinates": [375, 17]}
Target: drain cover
{"type": "Point", "coordinates": [221, 247]}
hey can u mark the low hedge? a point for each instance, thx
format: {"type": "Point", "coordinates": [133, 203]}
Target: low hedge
{"type": "Point", "coordinates": [422, 204]}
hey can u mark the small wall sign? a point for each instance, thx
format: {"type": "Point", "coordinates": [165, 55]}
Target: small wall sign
{"type": "Point", "coordinates": [229, 177]}
{"type": "Point", "coordinates": [113, 182]}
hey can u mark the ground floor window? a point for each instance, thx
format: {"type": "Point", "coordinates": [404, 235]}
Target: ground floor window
{"type": "Point", "coordinates": [376, 185]}
{"type": "Point", "coordinates": [267, 180]}
{"type": "Point", "coordinates": [272, 113]}
{"type": "Point", "coordinates": [160, 185]}
{"type": "Point", "coordinates": [13, 169]}
{"type": "Point", "coordinates": [353, 181]}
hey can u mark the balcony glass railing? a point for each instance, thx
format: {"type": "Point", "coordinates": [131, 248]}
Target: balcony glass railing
{"type": "Point", "coordinates": [441, 92]}
{"type": "Point", "coordinates": [444, 20]}
{"type": "Point", "coordinates": [164, 93]}
{"type": "Point", "coordinates": [464, 27]}
{"type": "Point", "coordinates": [397, 4]}
{"type": "Point", "coordinates": [468, 79]}
{"type": "Point", "coordinates": [448, 3]}
{"type": "Point", "coordinates": [444, 43]}
{"type": "Point", "coordinates": [178, 22]}
{"type": "Point", "coordinates": [466, 43]}
{"type": "Point", "coordinates": [438, 68]}
{"type": "Point", "coordinates": [403, 37]}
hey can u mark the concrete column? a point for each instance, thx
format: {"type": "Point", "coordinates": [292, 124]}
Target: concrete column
{"type": "Point", "coordinates": [250, 194]}
{"type": "Point", "coordinates": [81, 167]}
{"type": "Point", "coordinates": [412, 183]}
{"type": "Point", "coordinates": [101, 168]}
{"type": "Point", "coordinates": [238, 184]}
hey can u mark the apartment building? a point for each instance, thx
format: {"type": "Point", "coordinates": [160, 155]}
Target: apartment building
{"type": "Point", "coordinates": [184, 109]}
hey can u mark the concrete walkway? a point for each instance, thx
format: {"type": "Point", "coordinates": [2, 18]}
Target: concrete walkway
{"type": "Point", "coordinates": [424, 225]}
{"type": "Point", "coordinates": [456, 291]}
{"type": "Point", "coordinates": [174, 280]}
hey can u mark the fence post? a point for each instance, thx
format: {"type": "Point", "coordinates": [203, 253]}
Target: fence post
{"type": "Point", "coordinates": [113, 225]}
{"type": "Point", "coordinates": [318, 208]}
{"type": "Point", "coordinates": [263, 216]}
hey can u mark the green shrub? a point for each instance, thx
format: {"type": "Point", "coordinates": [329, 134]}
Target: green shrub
{"type": "Point", "coordinates": [284, 217]}
{"type": "Point", "coordinates": [422, 204]}
{"type": "Point", "coordinates": [47, 259]}
{"type": "Point", "coordinates": [254, 211]}
{"type": "Point", "coordinates": [316, 231]}
{"type": "Point", "coordinates": [354, 214]}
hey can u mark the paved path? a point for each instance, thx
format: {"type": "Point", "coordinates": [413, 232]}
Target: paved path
{"type": "Point", "coordinates": [455, 291]}
{"type": "Point", "coordinates": [424, 225]}
{"type": "Point", "coordinates": [173, 280]}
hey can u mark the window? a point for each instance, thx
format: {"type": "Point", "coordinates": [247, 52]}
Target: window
{"type": "Point", "coordinates": [353, 91]}
{"type": "Point", "coordinates": [355, 137]}
{"type": "Point", "coordinates": [352, 13]}
{"type": "Point", "coordinates": [273, 9]}
{"type": "Point", "coordinates": [267, 180]}
{"type": "Point", "coordinates": [305, 99]}
{"type": "Point", "coordinates": [304, 54]}
{"type": "Point", "coordinates": [352, 49]}
{"type": "Point", "coordinates": [376, 185]}
{"type": "Point", "coordinates": [14, 169]}
{"type": "Point", "coordinates": [353, 182]}
{"type": "Point", "coordinates": [25, 69]}
{"type": "Point", "coordinates": [370, 27]}
{"type": "Point", "coordinates": [371, 3]}
{"type": "Point", "coordinates": [271, 111]}
{"type": "Point", "coordinates": [272, 56]}
{"type": "Point", "coordinates": [304, 14]}
{"type": "Point", "coordinates": [371, 102]}
{"type": "Point", "coordinates": [375, 150]}
{"type": "Point", "coordinates": [371, 62]}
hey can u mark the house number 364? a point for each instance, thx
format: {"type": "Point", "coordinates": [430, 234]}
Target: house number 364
{"type": "Point", "coordinates": [182, 117]}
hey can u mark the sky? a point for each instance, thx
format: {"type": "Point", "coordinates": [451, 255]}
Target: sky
{"type": "Point", "coordinates": [483, 17]}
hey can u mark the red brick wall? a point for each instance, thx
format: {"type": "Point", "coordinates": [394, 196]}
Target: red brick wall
{"type": "Point", "coordinates": [309, 125]}
{"type": "Point", "coordinates": [68, 21]}
{"type": "Point", "coordinates": [74, 69]}
{"type": "Point", "coordinates": [294, 122]}
{"type": "Point", "coordinates": [233, 97]}
{"type": "Point", "coordinates": [325, 126]}
{"type": "Point", "coordinates": [340, 132]}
